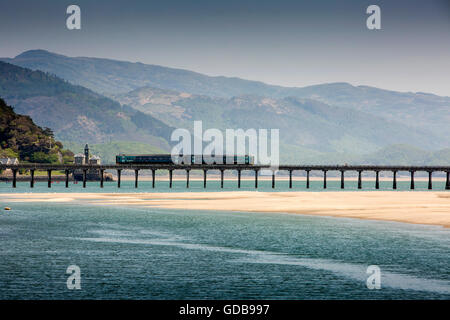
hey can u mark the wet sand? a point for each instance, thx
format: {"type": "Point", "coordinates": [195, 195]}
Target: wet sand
{"type": "Point", "coordinates": [402, 206]}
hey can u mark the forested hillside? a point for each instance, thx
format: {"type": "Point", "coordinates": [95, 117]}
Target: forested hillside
{"type": "Point", "coordinates": [74, 112]}
{"type": "Point", "coordinates": [21, 138]}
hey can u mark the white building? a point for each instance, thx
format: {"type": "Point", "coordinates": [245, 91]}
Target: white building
{"type": "Point", "coordinates": [9, 161]}
{"type": "Point", "coordinates": [79, 158]}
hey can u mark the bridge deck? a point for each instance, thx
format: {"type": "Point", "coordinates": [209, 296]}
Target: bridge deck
{"type": "Point", "coordinates": [42, 166]}
{"type": "Point", "coordinates": [69, 168]}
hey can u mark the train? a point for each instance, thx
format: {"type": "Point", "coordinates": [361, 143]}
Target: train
{"type": "Point", "coordinates": [183, 159]}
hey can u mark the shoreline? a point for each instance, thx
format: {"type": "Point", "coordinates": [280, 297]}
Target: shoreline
{"type": "Point", "coordinates": [428, 208]}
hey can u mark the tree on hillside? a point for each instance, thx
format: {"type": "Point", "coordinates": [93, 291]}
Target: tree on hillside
{"type": "Point", "coordinates": [20, 137]}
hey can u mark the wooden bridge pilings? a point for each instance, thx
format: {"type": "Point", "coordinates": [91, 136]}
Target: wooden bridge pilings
{"type": "Point", "coordinates": [235, 167]}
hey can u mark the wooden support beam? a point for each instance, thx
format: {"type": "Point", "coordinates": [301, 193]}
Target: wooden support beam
{"type": "Point", "coordinates": [49, 178]}
{"type": "Point", "coordinates": [342, 179]}
{"type": "Point", "coordinates": [307, 179]}
{"type": "Point", "coordinates": [170, 178]}
{"type": "Point", "coordinates": [447, 181]}
{"type": "Point", "coordinates": [153, 178]}
{"type": "Point", "coordinates": [324, 179]}
{"type": "Point", "coordinates": [273, 179]}
{"type": "Point", "coordinates": [119, 171]}
{"type": "Point", "coordinates": [377, 179]}
{"type": "Point", "coordinates": [32, 178]}
{"type": "Point", "coordinates": [84, 177]}
{"type": "Point", "coordinates": [412, 180]}
{"type": "Point", "coordinates": [256, 179]}
{"type": "Point", "coordinates": [221, 178]}
{"type": "Point", "coordinates": [239, 178]}
{"type": "Point", "coordinates": [136, 178]}
{"type": "Point", "coordinates": [187, 179]}
{"type": "Point", "coordinates": [359, 179]}
{"type": "Point", "coordinates": [290, 179]}
{"type": "Point", "coordinates": [430, 182]}
{"type": "Point", "coordinates": [14, 184]}
{"type": "Point", "coordinates": [204, 178]}
{"type": "Point", "coordinates": [394, 181]}
{"type": "Point", "coordinates": [67, 172]}
{"type": "Point", "coordinates": [102, 172]}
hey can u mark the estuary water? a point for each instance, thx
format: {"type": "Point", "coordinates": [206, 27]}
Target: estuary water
{"type": "Point", "coordinates": [150, 253]}
{"type": "Point", "coordinates": [162, 185]}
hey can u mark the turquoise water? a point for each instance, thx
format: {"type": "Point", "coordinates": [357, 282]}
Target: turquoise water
{"type": "Point", "coordinates": [214, 185]}
{"type": "Point", "coordinates": [148, 253]}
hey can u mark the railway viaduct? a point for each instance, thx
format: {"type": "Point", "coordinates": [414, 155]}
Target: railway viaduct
{"type": "Point", "coordinates": [69, 168]}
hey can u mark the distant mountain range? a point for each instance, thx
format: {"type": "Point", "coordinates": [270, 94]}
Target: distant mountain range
{"type": "Point", "coordinates": [75, 113]}
{"type": "Point", "coordinates": [306, 126]}
{"type": "Point", "coordinates": [421, 110]}
{"type": "Point", "coordinates": [334, 122]}
{"type": "Point", "coordinates": [110, 76]}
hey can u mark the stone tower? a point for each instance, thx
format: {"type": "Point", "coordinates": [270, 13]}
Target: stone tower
{"type": "Point", "coordinates": [86, 153]}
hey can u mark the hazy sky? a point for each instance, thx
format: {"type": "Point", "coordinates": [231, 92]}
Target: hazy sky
{"type": "Point", "coordinates": [290, 43]}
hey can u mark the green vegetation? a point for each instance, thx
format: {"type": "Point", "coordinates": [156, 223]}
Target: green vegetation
{"type": "Point", "coordinates": [108, 151]}
{"type": "Point", "coordinates": [21, 138]}
{"type": "Point", "coordinates": [76, 113]}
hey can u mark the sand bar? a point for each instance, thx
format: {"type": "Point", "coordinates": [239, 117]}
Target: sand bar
{"type": "Point", "coordinates": [410, 207]}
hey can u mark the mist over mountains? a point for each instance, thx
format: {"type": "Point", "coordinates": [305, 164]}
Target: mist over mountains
{"type": "Point", "coordinates": [305, 125]}
{"type": "Point", "coordinates": [75, 113]}
{"type": "Point", "coordinates": [326, 123]}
